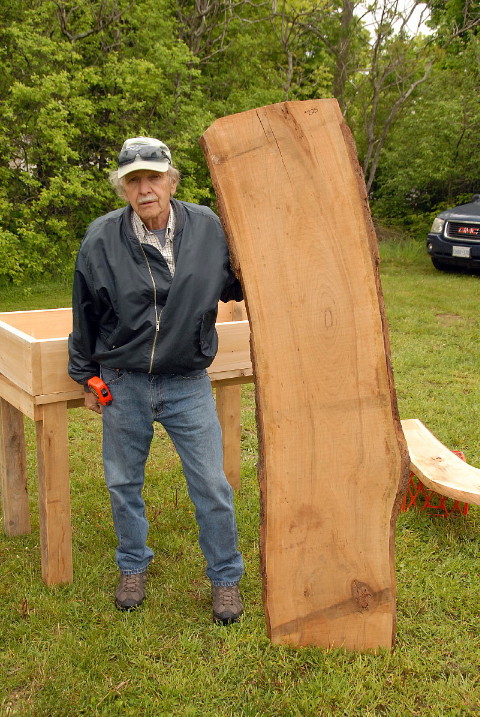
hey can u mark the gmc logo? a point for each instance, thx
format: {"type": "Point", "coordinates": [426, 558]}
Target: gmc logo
{"type": "Point", "coordinates": [469, 230]}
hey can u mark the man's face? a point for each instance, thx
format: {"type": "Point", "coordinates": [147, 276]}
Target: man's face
{"type": "Point", "coordinates": [149, 194]}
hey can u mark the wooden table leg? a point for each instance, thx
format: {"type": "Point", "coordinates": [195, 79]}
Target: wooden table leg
{"type": "Point", "coordinates": [229, 407]}
{"type": "Point", "coordinates": [16, 518]}
{"type": "Point", "coordinates": [54, 494]}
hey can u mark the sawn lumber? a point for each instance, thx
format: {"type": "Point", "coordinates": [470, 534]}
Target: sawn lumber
{"type": "Point", "coordinates": [332, 456]}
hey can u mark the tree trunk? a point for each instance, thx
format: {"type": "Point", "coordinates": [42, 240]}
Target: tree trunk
{"type": "Point", "coordinates": [342, 52]}
{"type": "Point", "coordinates": [332, 457]}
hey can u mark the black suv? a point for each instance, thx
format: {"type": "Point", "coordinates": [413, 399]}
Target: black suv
{"type": "Point", "coordinates": [454, 239]}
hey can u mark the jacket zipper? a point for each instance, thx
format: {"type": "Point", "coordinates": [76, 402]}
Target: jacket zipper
{"type": "Point", "coordinates": [157, 313]}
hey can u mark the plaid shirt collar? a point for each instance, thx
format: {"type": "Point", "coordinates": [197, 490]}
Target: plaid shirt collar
{"type": "Point", "coordinates": [145, 235]}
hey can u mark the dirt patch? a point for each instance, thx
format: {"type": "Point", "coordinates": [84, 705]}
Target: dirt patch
{"type": "Point", "coordinates": [449, 319]}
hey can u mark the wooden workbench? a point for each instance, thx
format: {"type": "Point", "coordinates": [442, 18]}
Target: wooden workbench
{"type": "Point", "coordinates": [34, 383]}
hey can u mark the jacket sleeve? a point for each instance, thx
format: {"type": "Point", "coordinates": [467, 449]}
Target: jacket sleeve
{"type": "Point", "coordinates": [232, 289]}
{"type": "Point", "coordinates": [82, 340]}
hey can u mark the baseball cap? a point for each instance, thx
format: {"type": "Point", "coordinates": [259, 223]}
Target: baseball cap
{"type": "Point", "coordinates": [143, 153]}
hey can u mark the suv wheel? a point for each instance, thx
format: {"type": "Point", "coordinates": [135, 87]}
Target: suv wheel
{"type": "Point", "coordinates": [440, 265]}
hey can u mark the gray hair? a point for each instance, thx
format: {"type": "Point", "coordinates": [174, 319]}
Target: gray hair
{"type": "Point", "coordinates": [117, 183]}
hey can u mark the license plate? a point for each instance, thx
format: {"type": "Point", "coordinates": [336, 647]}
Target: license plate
{"type": "Point", "coordinates": [461, 251]}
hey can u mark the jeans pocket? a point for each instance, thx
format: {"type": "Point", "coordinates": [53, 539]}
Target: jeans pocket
{"type": "Point", "coordinates": [112, 376]}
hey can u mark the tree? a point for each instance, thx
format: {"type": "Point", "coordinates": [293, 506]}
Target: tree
{"type": "Point", "coordinates": [454, 18]}
{"type": "Point", "coordinates": [77, 78]}
{"type": "Point", "coordinates": [76, 82]}
{"type": "Point", "coordinates": [430, 161]}
{"type": "Point", "coordinates": [205, 26]}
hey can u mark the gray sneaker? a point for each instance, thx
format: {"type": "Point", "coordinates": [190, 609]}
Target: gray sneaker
{"type": "Point", "coordinates": [227, 604]}
{"type": "Point", "coordinates": [131, 591]}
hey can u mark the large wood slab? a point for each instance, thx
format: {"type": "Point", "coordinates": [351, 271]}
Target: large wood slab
{"type": "Point", "coordinates": [332, 457]}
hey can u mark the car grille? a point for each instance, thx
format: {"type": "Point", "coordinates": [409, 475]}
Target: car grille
{"type": "Point", "coordinates": [463, 231]}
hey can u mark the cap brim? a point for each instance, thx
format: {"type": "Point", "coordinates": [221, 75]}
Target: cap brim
{"type": "Point", "coordinates": [143, 164]}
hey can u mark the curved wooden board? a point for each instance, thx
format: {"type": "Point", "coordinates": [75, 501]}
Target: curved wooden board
{"type": "Point", "coordinates": [437, 467]}
{"type": "Point", "coordinates": [332, 456]}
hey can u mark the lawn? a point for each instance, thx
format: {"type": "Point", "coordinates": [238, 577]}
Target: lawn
{"type": "Point", "coordinates": [66, 650]}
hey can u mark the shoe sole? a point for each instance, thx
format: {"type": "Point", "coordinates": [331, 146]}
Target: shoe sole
{"type": "Point", "coordinates": [126, 608]}
{"type": "Point", "coordinates": [226, 620]}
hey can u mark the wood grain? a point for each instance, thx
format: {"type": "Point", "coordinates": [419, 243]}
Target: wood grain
{"type": "Point", "coordinates": [333, 461]}
{"type": "Point", "coordinates": [13, 471]}
{"type": "Point", "coordinates": [437, 467]}
{"type": "Point", "coordinates": [54, 494]}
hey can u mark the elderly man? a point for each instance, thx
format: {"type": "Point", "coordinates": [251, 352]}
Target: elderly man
{"type": "Point", "coordinates": [148, 278]}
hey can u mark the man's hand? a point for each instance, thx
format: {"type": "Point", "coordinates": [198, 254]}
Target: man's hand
{"type": "Point", "coordinates": [91, 403]}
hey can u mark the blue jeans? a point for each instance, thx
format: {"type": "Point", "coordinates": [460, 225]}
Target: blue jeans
{"type": "Point", "coordinates": [186, 408]}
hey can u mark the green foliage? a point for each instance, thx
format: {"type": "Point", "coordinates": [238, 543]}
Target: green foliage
{"type": "Point", "coordinates": [441, 169]}
{"type": "Point", "coordinates": [71, 94]}
{"type": "Point", "coordinates": [78, 78]}
{"type": "Point", "coordinates": [449, 17]}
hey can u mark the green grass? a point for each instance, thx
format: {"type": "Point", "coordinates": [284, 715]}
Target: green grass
{"type": "Point", "coordinates": [45, 295]}
{"type": "Point", "coordinates": [66, 651]}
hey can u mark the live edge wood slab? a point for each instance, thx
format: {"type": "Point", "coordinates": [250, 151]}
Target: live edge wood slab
{"type": "Point", "coordinates": [333, 462]}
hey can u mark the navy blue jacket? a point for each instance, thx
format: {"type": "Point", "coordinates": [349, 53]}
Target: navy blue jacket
{"type": "Point", "coordinates": [128, 311]}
